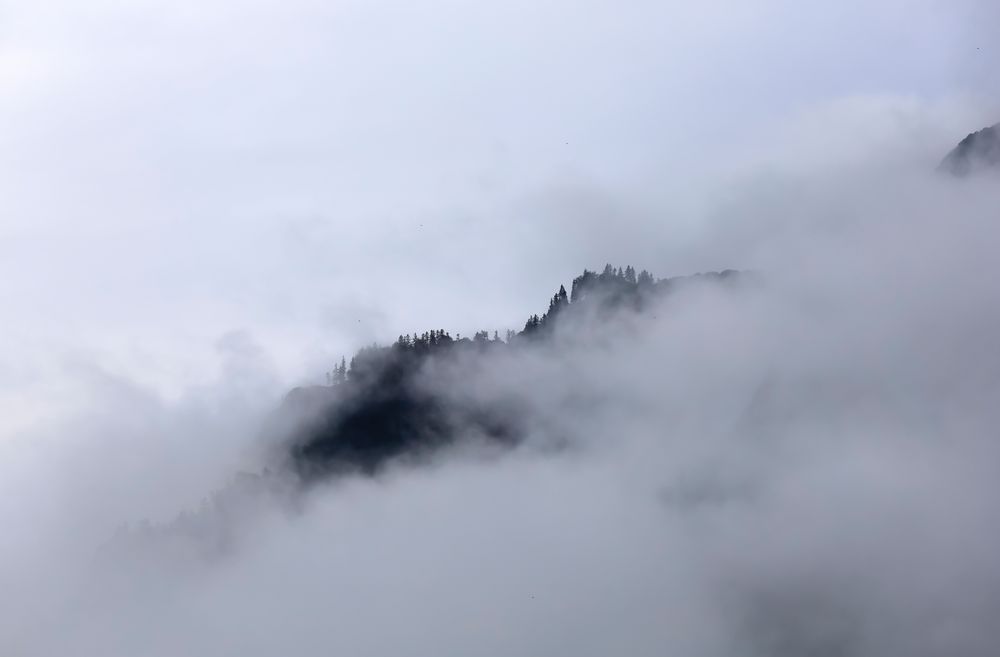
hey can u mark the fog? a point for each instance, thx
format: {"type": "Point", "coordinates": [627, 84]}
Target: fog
{"type": "Point", "coordinates": [804, 464]}
{"type": "Point", "coordinates": [801, 465]}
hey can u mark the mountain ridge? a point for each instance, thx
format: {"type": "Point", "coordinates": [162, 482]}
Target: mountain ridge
{"type": "Point", "coordinates": [378, 408]}
{"type": "Point", "coordinates": [978, 151]}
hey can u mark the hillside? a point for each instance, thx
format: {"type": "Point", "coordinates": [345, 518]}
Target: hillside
{"type": "Point", "coordinates": [979, 151]}
{"type": "Point", "coordinates": [386, 402]}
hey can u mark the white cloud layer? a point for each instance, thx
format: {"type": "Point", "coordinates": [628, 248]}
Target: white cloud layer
{"type": "Point", "coordinates": [207, 202]}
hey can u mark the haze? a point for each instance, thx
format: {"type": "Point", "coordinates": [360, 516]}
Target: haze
{"type": "Point", "coordinates": [207, 204]}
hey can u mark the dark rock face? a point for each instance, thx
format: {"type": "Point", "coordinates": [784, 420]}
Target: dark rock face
{"type": "Point", "coordinates": [977, 152]}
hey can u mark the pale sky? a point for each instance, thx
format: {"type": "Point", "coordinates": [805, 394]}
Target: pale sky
{"type": "Point", "coordinates": [203, 204]}
{"type": "Point", "coordinates": [313, 176]}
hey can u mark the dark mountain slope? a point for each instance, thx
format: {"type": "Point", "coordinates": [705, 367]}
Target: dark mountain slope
{"type": "Point", "coordinates": [979, 151]}
{"type": "Point", "coordinates": [383, 406]}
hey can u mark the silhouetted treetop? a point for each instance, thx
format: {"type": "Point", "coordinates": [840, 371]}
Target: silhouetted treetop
{"type": "Point", "coordinates": [377, 408]}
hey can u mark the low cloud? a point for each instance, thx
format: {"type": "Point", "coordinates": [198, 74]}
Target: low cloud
{"type": "Point", "coordinates": [801, 464]}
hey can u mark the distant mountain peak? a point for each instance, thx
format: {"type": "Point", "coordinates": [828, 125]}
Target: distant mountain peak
{"type": "Point", "coordinates": [977, 152]}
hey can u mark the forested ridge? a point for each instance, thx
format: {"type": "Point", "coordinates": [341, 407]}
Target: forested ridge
{"type": "Point", "coordinates": [375, 408]}
{"type": "Point", "coordinates": [979, 151]}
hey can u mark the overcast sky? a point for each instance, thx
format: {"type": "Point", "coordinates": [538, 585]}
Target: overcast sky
{"type": "Point", "coordinates": [310, 176]}
{"type": "Point", "coordinates": [205, 203]}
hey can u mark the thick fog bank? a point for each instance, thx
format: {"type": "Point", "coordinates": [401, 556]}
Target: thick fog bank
{"type": "Point", "coordinates": [805, 465]}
